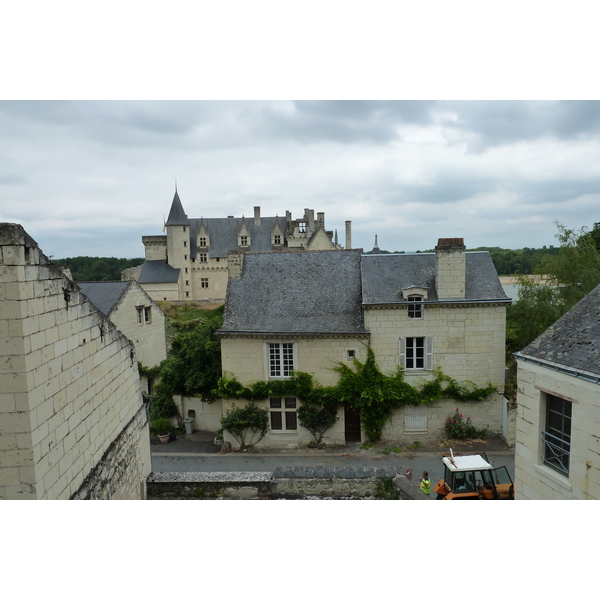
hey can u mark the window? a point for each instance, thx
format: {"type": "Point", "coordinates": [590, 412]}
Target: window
{"type": "Point", "coordinates": [244, 240]}
{"type": "Point", "coordinates": [415, 417]}
{"type": "Point", "coordinates": [185, 244]}
{"type": "Point", "coordinates": [416, 353]}
{"type": "Point", "coordinates": [202, 242]}
{"type": "Point", "coordinates": [203, 257]}
{"type": "Point", "coordinates": [283, 414]}
{"type": "Point", "coordinates": [144, 314]}
{"type": "Point", "coordinates": [277, 240]}
{"type": "Point", "coordinates": [415, 308]}
{"type": "Point", "coordinates": [351, 354]}
{"type": "Point", "coordinates": [281, 360]}
{"type": "Point", "coordinates": [557, 437]}
{"type": "Point", "coordinates": [204, 282]}
{"type": "Point", "coordinates": [302, 227]}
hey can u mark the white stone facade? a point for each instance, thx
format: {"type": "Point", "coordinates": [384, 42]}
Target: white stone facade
{"type": "Point", "coordinates": [535, 480]}
{"type": "Point", "coordinates": [70, 397]}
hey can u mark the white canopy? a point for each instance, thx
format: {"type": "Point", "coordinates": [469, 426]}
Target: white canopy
{"type": "Point", "coordinates": [466, 463]}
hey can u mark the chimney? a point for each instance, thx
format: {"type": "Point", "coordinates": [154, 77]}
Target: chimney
{"type": "Point", "coordinates": [450, 268]}
{"type": "Point", "coordinates": [321, 219]}
{"type": "Point", "coordinates": [348, 235]}
{"type": "Point", "coordinates": [235, 263]}
{"type": "Point", "coordinates": [257, 216]}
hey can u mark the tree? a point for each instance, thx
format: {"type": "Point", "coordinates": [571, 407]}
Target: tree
{"type": "Point", "coordinates": [570, 274]}
{"type": "Point", "coordinates": [249, 420]}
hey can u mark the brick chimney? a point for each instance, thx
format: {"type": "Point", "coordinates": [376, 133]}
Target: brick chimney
{"type": "Point", "coordinates": [450, 268]}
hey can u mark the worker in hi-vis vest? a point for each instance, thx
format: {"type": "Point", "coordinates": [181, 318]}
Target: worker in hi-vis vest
{"type": "Point", "coordinates": [425, 485]}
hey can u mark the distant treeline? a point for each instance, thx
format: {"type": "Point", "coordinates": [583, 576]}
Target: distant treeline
{"type": "Point", "coordinates": [94, 268]}
{"type": "Point", "coordinates": [511, 262]}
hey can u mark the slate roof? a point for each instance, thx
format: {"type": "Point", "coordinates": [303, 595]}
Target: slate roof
{"type": "Point", "coordinates": [104, 295]}
{"type": "Point", "coordinates": [158, 271]}
{"type": "Point", "coordinates": [574, 339]}
{"type": "Point", "coordinates": [223, 234]}
{"type": "Point", "coordinates": [385, 275]}
{"type": "Point", "coordinates": [177, 215]}
{"type": "Point", "coordinates": [312, 292]}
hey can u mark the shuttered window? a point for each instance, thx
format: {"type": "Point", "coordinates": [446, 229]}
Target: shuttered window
{"type": "Point", "coordinates": [415, 418]}
{"type": "Point", "coordinates": [416, 353]}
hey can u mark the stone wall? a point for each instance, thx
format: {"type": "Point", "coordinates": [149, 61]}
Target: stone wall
{"type": "Point", "coordinates": [533, 479]}
{"type": "Point", "coordinates": [70, 384]}
{"type": "Point", "coordinates": [289, 483]}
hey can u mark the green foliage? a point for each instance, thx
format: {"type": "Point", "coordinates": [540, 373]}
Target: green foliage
{"type": "Point", "coordinates": [317, 418]}
{"type": "Point", "coordinates": [193, 366]}
{"type": "Point", "coordinates": [386, 490]}
{"type": "Point", "coordinates": [160, 426]}
{"type": "Point", "coordinates": [364, 388]}
{"type": "Point", "coordinates": [249, 420]}
{"type": "Point", "coordinates": [459, 429]}
{"type": "Point", "coordinates": [93, 268]}
{"type": "Point", "coordinates": [570, 274]}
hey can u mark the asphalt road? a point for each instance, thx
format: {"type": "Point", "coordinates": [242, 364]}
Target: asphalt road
{"type": "Point", "coordinates": [418, 462]}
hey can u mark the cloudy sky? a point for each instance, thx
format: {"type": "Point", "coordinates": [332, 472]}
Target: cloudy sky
{"type": "Point", "coordinates": [93, 177]}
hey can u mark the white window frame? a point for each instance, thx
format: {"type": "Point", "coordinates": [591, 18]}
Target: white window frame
{"type": "Point", "coordinates": [411, 342]}
{"type": "Point", "coordinates": [277, 354]}
{"type": "Point", "coordinates": [415, 306]}
{"type": "Point", "coordinates": [144, 315]}
{"type": "Point", "coordinates": [283, 410]}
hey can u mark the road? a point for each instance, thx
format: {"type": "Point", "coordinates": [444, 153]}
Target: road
{"type": "Point", "coordinates": [431, 462]}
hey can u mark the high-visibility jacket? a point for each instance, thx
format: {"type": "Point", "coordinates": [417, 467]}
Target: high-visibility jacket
{"type": "Point", "coordinates": [425, 486]}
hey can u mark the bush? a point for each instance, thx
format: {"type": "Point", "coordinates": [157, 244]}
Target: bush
{"type": "Point", "coordinates": [386, 490]}
{"type": "Point", "coordinates": [160, 426]}
{"type": "Point", "coordinates": [459, 429]}
{"type": "Point", "coordinates": [247, 421]}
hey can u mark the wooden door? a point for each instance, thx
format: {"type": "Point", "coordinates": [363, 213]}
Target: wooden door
{"type": "Point", "coordinates": [352, 424]}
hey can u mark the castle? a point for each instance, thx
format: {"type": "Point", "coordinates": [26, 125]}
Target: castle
{"type": "Point", "coordinates": [192, 261]}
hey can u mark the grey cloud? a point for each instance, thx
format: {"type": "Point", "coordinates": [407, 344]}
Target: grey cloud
{"type": "Point", "coordinates": [504, 122]}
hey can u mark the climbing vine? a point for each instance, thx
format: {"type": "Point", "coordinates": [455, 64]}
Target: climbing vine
{"type": "Point", "coordinates": [364, 388]}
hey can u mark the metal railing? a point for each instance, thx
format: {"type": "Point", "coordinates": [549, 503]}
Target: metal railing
{"type": "Point", "coordinates": [557, 452]}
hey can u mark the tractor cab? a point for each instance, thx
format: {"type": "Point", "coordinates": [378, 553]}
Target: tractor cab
{"type": "Point", "coordinates": [473, 478]}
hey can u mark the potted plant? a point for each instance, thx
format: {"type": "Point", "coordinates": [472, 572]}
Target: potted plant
{"type": "Point", "coordinates": [163, 428]}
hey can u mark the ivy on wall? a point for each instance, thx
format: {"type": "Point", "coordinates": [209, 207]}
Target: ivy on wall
{"type": "Point", "coordinates": [364, 388]}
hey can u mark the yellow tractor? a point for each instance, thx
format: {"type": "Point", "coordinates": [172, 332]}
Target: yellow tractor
{"type": "Point", "coordinates": [473, 478]}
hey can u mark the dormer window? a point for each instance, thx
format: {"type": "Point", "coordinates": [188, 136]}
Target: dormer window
{"type": "Point", "coordinates": [244, 240]}
{"type": "Point", "coordinates": [277, 240]}
{"type": "Point", "coordinates": [202, 242]}
{"type": "Point", "coordinates": [415, 306]}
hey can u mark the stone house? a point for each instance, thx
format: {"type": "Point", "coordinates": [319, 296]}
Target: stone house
{"type": "Point", "coordinates": [73, 423]}
{"type": "Point", "coordinates": [136, 315]}
{"type": "Point", "coordinates": [557, 453]}
{"type": "Point", "coordinates": [311, 311]}
{"type": "Point", "coordinates": [191, 261]}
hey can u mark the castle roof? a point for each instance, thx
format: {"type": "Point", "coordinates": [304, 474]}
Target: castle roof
{"type": "Point", "coordinates": [177, 215]}
{"type": "Point", "coordinates": [314, 292]}
{"type": "Point", "coordinates": [104, 295]}
{"type": "Point", "coordinates": [573, 341]}
{"type": "Point", "coordinates": [223, 234]}
{"type": "Point", "coordinates": [384, 276]}
{"type": "Point", "coordinates": [158, 271]}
